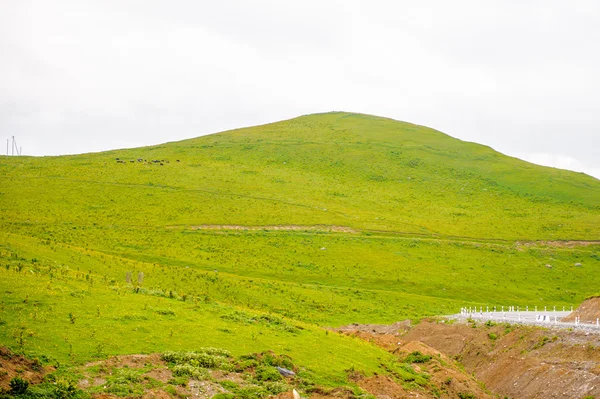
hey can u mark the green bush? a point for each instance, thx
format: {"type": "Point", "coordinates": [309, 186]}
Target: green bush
{"type": "Point", "coordinates": [271, 359]}
{"type": "Point", "coordinates": [251, 392]}
{"type": "Point", "coordinates": [198, 373]}
{"type": "Point", "coordinates": [266, 373]}
{"type": "Point", "coordinates": [64, 389]}
{"type": "Point", "coordinates": [230, 385]}
{"type": "Point", "coordinates": [417, 357]}
{"type": "Point", "coordinates": [276, 387]}
{"type": "Point", "coordinates": [210, 358]}
{"type": "Point", "coordinates": [18, 386]}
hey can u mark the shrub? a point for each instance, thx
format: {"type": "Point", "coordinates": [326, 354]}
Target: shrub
{"type": "Point", "coordinates": [269, 358]}
{"type": "Point", "coordinates": [276, 387]}
{"type": "Point", "coordinates": [64, 389]}
{"type": "Point", "coordinates": [492, 336]}
{"type": "Point", "coordinates": [251, 392]}
{"type": "Point", "coordinates": [18, 386]}
{"type": "Point", "coordinates": [191, 371]}
{"type": "Point", "coordinates": [417, 357]}
{"type": "Point", "coordinates": [228, 384]}
{"type": "Point", "coordinates": [205, 358]}
{"type": "Point", "coordinates": [267, 373]}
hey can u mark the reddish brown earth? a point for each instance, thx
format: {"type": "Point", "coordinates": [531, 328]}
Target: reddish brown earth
{"type": "Point", "coordinates": [588, 311]}
{"type": "Point", "coordinates": [447, 377]}
{"type": "Point", "coordinates": [559, 244]}
{"type": "Point", "coordinates": [518, 362]}
{"type": "Point", "coordinates": [12, 366]}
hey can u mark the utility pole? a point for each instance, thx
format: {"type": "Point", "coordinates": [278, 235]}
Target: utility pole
{"type": "Point", "coordinates": [14, 147]}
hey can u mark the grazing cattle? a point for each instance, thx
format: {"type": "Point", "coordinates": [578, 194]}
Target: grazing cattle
{"type": "Point", "coordinates": [132, 161]}
{"type": "Point", "coordinates": [177, 160]}
{"type": "Point", "coordinates": [161, 164]}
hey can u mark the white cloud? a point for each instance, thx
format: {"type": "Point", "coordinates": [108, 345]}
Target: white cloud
{"type": "Point", "coordinates": [79, 76]}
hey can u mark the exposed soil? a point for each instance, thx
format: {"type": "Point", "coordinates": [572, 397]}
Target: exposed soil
{"type": "Point", "coordinates": [558, 244]}
{"type": "Point", "coordinates": [131, 361]}
{"type": "Point", "coordinates": [447, 377]}
{"type": "Point", "coordinates": [513, 361]}
{"type": "Point", "coordinates": [588, 311]}
{"type": "Point", "coordinates": [12, 366]}
{"type": "Point", "coordinates": [341, 229]}
{"type": "Point", "coordinates": [392, 329]}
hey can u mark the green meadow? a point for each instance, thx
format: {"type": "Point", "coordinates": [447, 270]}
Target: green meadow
{"type": "Point", "coordinates": [255, 239]}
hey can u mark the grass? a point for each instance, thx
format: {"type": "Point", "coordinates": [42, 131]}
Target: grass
{"type": "Point", "coordinates": [253, 239]}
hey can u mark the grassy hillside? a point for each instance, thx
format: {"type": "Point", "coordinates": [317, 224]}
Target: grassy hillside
{"type": "Point", "coordinates": [341, 169]}
{"type": "Point", "coordinates": [321, 220]}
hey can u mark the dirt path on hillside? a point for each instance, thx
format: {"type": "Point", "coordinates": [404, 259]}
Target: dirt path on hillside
{"type": "Point", "coordinates": [520, 362]}
{"type": "Point", "coordinates": [347, 229]}
{"type": "Point", "coordinates": [291, 227]}
{"type": "Point", "coordinates": [558, 244]}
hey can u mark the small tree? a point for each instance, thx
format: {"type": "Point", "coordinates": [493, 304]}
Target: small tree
{"type": "Point", "coordinates": [18, 386]}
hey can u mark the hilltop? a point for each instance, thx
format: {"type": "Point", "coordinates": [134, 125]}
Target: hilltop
{"type": "Point", "coordinates": [254, 239]}
{"type": "Point", "coordinates": [337, 169]}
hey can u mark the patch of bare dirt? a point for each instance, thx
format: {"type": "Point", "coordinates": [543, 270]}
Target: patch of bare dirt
{"type": "Point", "coordinates": [221, 375]}
{"type": "Point", "coordinates": [558, 244]}
{"type": "Point", "coordinates": [446, 377]}
{"type": "Point", "coordinates": [340, 392]}
{"type": "Point", "coordinates": [588, 311]}
{"type": "Point", "coordinates": [204, 389]}
{"type": "Point", "coordinates": [516, 361]}
{"type": "Point", "coordinates": [383, 387]}
{"type": "Point", "coordinates": [162, 374]}
{"type": "Point", "coordinates": [12, 366]}
{"type": "Point", "coordinates": [396, 328]}
{"type": "Point", "coordinates": [156, 394]}
{"type": "Point", "coordinates": [104, 396]}
{"type": "Point", "coordinates": [340, 229]}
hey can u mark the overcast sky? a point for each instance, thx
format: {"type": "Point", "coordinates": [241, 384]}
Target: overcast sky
{"type": "Point", "coordinates": [520, 76]}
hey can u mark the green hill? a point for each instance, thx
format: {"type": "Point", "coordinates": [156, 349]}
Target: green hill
{"type": "Point", "coordinates": [333, 169]}
{"type": "Point", "coordinates": [320, 220]}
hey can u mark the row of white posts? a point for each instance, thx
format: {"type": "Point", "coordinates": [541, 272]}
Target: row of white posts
{"type": "Point", "coordinates": [473, 310]}
{"type": "Point", "coordinates": [539, 318]}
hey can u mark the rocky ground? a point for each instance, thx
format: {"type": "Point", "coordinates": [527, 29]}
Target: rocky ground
{"type": "Point", "coordinates": [436, 358]}
{"type": "Point", "coordinates": [512, 361]}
